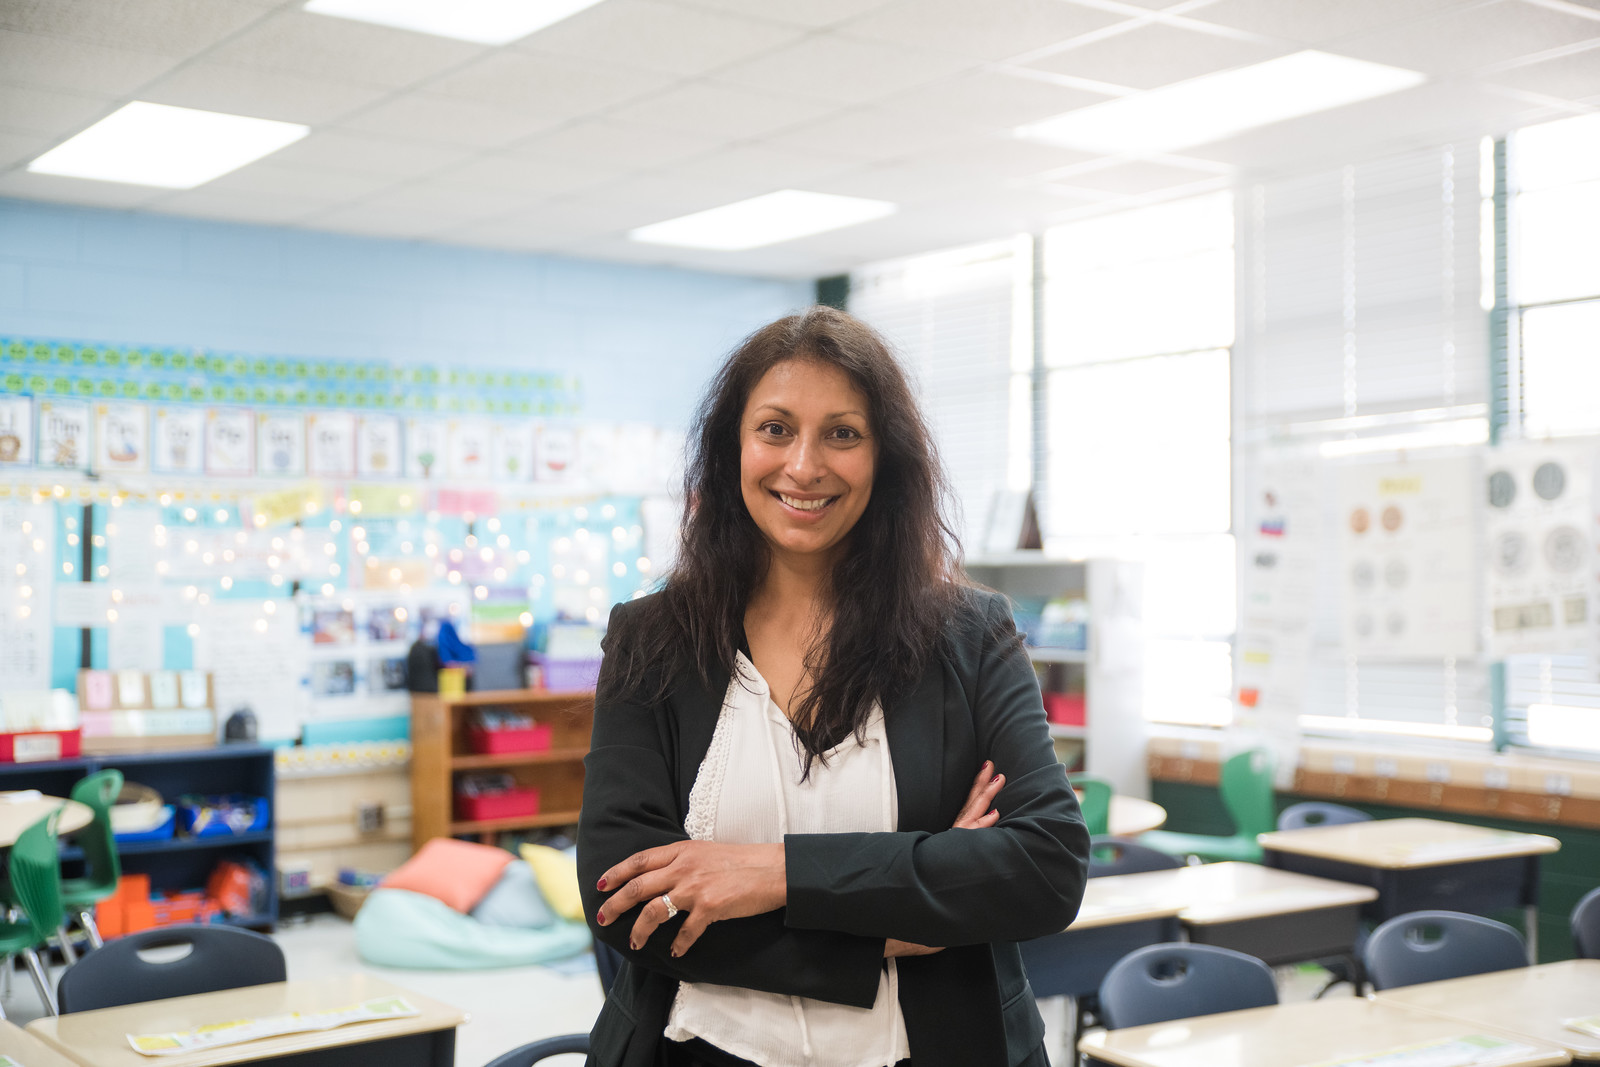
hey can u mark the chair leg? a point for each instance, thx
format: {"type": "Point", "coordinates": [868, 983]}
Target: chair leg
{"type": "Point", "coordinates": [41, 981]}
{"type": "Point", "coordinates": [86, 920]}
{"type": "Point", "coordinates": [9, 960]}
{"type": "Point", "coordinates": [68, 953]}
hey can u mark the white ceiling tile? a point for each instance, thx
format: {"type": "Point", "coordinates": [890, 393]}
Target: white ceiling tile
{"type": "Point", "coordinates": [993, 29]}
{"type": "Point", "coordinates": [437, 199]}
{"type": "Point", "coordinates": [1477, 37]}
{"type": "Point", "coordinates": [989, 98]}
{"type": "Point", "coordinates": [999, 158]}
{"type": "Point", "coordinates": [76, 190]}
{"type": "Point", "coordinates": [260, 94]}
{"type": "Point", "coordinates": [1569, 77]}
{"type": "Point", "coordinates": [420, 116]}
{"type": "Point", "coordinates": [815, 14]}
{"type": "Point", "coordinates": [314, 185]}
{"type": "Point", "coordinates": [543, 227]}
{"type": "Point", "coordinates": [18, 147]}
{"type": "Point", "coordinates": [647, 35]}
{"type": "Point", "coordinates": [834, 68]}
{"type": "Point", "coordinates": [903, 183]}
{"type": "Point", "coordinates": [315, 46]}
{"type": "Point", "coordinates": [27, 109]}
{"type": "Point", "coordinates": [362, 153]}
{"type": "Point", "coordinates": [172, 27]}
{"type": "Point", "coordinates": [620, 206]}
{"type": "Point", "coordinates": [1156, 54]}
{"type": "Point", "coordinates": [764, 165]}
{"type": "Point", "coordinates": [368, 221]}
{"type": "Point", "coordinates": [1135, 176]}
{"type": "Point", "coordinates": [33, 59]}
{"type": "Point", "coordinates": [546, 85]}
{"type": "Point", "coordinates": [525, 175]}
{"type": "Point", "coordinates": [607, 144]}
{"type": "Point", "coordinates": [237, 205]}
{"type": "Point", "coordinates": [721, 111]}
{"type": "Point", "coordinates": [1315, 21]}
{"type": "Point", "coordinates": [871, 134]}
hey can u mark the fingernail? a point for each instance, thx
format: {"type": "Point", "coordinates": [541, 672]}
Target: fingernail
{"type": "Point", "coordinates": [994, 811]}
{"type": "Point", "coordinates": [601, 884]}
{"type": "Point", "coordinates": [995, 779]}
{"type": "Point", "coordinates": [633, 945]}
{"type": "Point", "coordinates": [600, 917]}
{"type": "Point", "coordinates": [987, 764]}
{"type": "Point", "coordinates": [676, 953]}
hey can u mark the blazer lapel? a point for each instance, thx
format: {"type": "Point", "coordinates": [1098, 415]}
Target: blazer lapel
{"type": "Point", "coordinates": [914, 724]}
{"type": "Point", "coordinates": [698, 708]}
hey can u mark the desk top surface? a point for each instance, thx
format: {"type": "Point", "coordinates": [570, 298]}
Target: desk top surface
{"type": "Point", "coordinates": [1531, 1001]}
{"type": "Point", "coordinates": [100, 1038]}
{"type": "Point", "coordinates": [1131, 816]}
{"type": "Point", "coordinates": [1213, 893]}
{"type": "Point", "coordinates": [20, 810]}
{"type": "Point", "coordinates": [29, 1050]}
{"type": "Point", "coordinates": [1317, 1032]}
{"type": "Point", "coordinates": [1396, 844]}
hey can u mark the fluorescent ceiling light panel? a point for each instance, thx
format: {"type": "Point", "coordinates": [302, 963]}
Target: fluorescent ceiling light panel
{"type": "Point", "coordinates": [763, 220]}
{"type": "Point", "coordinates": [479, 21]}
{"type": "Point", "coordinates": [169, 147]}
{"type": "Point", "coordinates": [1214, 106]}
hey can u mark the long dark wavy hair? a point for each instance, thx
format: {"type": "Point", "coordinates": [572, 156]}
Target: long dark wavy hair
{"type": "Point", "coordinates": [891, 592]}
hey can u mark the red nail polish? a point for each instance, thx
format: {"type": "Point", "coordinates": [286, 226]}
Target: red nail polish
{"type": "Point", "coordinates": [676, 953]}
{"type": "Point", "coordinates": [995, 779]}
{"type": "Point", "coordinates": [601, 884]}
{"type": "Point", "coordinates": [633, 946]}
{"type": "Point", "coordinates": [600, 917]}
{"type": "Point", "coordinates": [994, 811]}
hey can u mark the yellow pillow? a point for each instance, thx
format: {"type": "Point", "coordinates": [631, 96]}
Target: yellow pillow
{"type": "Point", "coordinates": [557, 874]}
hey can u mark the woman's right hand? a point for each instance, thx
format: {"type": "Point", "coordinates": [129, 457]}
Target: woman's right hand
{"type": "Point", "coordinates": [976, 814]}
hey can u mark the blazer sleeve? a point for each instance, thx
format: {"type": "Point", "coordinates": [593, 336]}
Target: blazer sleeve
{"type": "Point", "coordinates": [630, 804]}
{"type": "Point", "coordinates": [1020, 879]}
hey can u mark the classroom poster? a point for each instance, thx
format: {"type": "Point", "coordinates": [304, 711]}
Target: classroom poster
{"type": "Point", "coordinates": [598, 452]}
{"type": "Point", "coordinates": [1541, 572]}
{"type": "Point", "coordinates": [280, 445]}
{"type": "Point", "coordinates": [27, 550]}
{"type": "Point", "coordinates": [1410, 585]}
{"type": "Point", "coordinates": [16, 430]}
{"type": "Point", "coordinates": [378, 447]}
{"type": "Point", "coordinates": [555, 453]}
{"type": "Point", "coordinates": [229, 441]}
{"type": "Point", "coordinates": [179, 441]}
{"type": "Point", "coordinates": [121, 438]}
{"type": "Point", "coordinates": [425, 448]}
{"type": "Point", "coordinates": [1279, 548]}
{"type": "Point", "coordinates": [513, 452]}
{"type": "Point", "coordinates": [63, 427]}
{"type": "Point", "coordinates": [470, 450]}
{"type": "Point", "coordinates": [331, 444]}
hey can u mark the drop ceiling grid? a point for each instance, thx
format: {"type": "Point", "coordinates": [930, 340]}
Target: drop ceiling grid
{"type": "Point", "coordinates": [645, 108]}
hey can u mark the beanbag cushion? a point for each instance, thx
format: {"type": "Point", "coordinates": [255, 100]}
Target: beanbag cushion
{"type": "Point", "coordinates": [459, 873]}
{"type": "Point", "coordinates": [398, 928]}
{"type": "Point", "coordinates": [515, 900]}
{"type": "Point", "coordinates": [558, 879]}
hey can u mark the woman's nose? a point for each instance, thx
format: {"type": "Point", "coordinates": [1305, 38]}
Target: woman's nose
{"type": "Point", "coordinates": [806, 460]}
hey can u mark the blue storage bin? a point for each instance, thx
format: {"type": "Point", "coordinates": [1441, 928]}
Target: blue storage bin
{"type": "Point", "coordinates": [214, 816]}
{"type": "Point", "coordinates": [162, 832]}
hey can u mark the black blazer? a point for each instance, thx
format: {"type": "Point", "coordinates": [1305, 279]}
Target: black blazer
{"type": "Point", "coordinates": [976, 891]}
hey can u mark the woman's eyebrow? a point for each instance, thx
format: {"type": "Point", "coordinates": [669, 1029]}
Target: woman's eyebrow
{"type": "Point", "coordinates": [786, 413]}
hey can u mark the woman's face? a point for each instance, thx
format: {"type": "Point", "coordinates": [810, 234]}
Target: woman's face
{"type": "Point", "coordinates": [806, 457]}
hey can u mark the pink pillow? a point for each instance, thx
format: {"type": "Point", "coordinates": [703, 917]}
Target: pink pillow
{"type": "Point", "coordinates": [459, 873]}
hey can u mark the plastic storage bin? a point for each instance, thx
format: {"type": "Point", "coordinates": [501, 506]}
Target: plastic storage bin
{"type": "Point", "coordinates": [495, 742]}
{"type": "Point", "coordinates": [507, 805]}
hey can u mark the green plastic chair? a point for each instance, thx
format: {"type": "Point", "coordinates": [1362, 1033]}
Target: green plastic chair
{"type": "Point", "coordinates": [79, 895]}
{"type": "Point", "coordinates": [36, 880]}
{"type": "Point", "coordinates": [1095, 800]}
{"type": "Point", "coordinates": [1246, 788]}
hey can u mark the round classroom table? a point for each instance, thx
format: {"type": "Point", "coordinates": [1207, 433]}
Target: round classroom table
{"type": "Point", "coordinates": [18, 811]}
{"type": "Point", "coordinates": [1131, 815]}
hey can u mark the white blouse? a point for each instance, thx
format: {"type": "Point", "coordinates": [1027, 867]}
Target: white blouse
{"type": "Point", "coordinates": [748, 791]}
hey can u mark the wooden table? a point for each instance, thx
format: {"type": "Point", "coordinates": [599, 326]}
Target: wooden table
{"type": "Point", "coordinates": [29, 1050]}
{"type": "Point", "coordinates": [100, 1038]}
{"type": "Point", "coordinates": [1294, 1035]}
{"type": "Point", "coordinates": [1131, 816]}
{"type": "Point", "coordinates": [1416, 864]}
{"type": "Point", "coordinates": [1530, 1001]}
{"type": "Point", "coordinates": [20, 810]}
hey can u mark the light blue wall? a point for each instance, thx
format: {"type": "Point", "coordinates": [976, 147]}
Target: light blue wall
{"type": "Point", "coordinates": [643, 339]}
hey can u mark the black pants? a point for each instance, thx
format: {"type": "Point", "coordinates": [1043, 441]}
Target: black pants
{"type": "Point", "coordinates": [698, 1053]}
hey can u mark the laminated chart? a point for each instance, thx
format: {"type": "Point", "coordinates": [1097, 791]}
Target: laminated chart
{"type": "Point", "coordinates": [237, 1031]}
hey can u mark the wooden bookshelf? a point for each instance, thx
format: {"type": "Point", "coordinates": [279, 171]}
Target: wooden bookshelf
{"type": "Point", "coordinates": [440, 752]}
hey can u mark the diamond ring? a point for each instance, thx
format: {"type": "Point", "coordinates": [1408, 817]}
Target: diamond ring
{"type": "Point", "coordinates": [672, 909]}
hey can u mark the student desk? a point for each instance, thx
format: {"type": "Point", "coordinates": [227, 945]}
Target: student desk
{"type": "Point", "coordinates": [1294, 1035]}
{"type": "Point", "coordinates": [29, 1050]}
{"type": "Point", "coordinates": [1529, 1001]}
{"type": "Point", "coordinates": [99, 1038]}
{"type": "Point", "coordinates": [20, 810]}
{"type": "Point", "coordinates": [1131, 816]}
{"type": "Point", "coordinates": [1416, 864]}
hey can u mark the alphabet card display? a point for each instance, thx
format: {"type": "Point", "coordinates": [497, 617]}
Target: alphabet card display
{"type": "Point", "coordinates": [513, 452]}
{"type": "Point", "coordinates": [16, 429]}
{"type": "Point", "coordinates": [230, 441]}
{"type": "Point", "coordinates": [281, 445]}
{"type": "Point", "coordinates": [425, 448]}
{"type": "Point", "coordinates": [555, 454]}
{"type": "Point", "coordinates": [138, 711]}
{"type": "Point", "coordinates": [331, 444]}
{"type": "Point", "coordinates": [179, 441]}
{"type": "Point", "coordinates": [378, 447]}
{"type": "Point", "coordinates": [63, 434]}
{"type": "Point", "coordinates": [470, 457]}
{"type": "Point", "coordinates": [122, 437]}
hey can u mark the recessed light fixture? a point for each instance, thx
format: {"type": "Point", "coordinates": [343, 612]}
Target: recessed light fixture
{"type": "Point", "coordinates": [763, 220]}
{"type": "Point", "coordinates": [170, 147]}
{"type": "Point", "coordinates": [1215, 106]}
{"type": "Point", "coordinates": [479, 21]}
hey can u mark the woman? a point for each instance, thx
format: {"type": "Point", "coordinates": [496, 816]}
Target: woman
{"type": "Point", "coordinates": [781, 829]}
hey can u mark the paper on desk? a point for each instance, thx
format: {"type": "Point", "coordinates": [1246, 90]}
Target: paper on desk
{"type": "Point", "coordinates": [1469, 1050]}
{"type": "Point", "coordinates": [1588, 1024]}
{"type": "Point", "coordinates": [7, 1061]}
{"type": "Point", "coordinates": [241, 1030]}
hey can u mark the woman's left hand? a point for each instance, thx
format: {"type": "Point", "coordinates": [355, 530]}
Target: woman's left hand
{"type": "Point", "coordinates": [706, 880]}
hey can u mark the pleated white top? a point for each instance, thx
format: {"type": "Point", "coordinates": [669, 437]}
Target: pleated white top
{"type": "Point", "coordinates": [749, 791]}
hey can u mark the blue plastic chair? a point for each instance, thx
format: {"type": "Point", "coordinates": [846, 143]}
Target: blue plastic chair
{"type": "Point", "coordinates": [1178, 980]}
{"type": "Point", "coordinates": [1246, 787]}
{"type": "Point", "coordinates": [1318, 813]}
{"type": "Point", "coordinates": [1117, 855]}
{"type": "Point", "coordinates": [534, 1051]}
{"type": "Point", "coordinates": [1586, 926]}
{"type": "Point", "coordinates": [1430, 946]}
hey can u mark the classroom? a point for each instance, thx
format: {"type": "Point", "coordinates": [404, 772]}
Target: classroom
{"type": "Point", "coordinates": [808, 533]}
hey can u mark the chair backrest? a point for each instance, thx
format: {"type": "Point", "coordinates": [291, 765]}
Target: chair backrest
{"type": "Point", "coordinates": [98, 841]}
{"type": "Point", "coordinates": [1318, 813]}
{"type": "Point", "coordinates": [1179, 980]}
{"type": "Point", "coordinates": [219, 957]}
{"type": "Point", "coordinates": [535, 1051]}
{"type": "Point", "coordinates": [1586, 926]}
{"type": "Point", "coordinates": [608, 961]}
{"type": "Point", "coordinates": [1116, 855]}
{"type": "Point", "coordinates": [1095, 800]}
{"type": "Point", "coordinates": [1430, 946]}
{"type": "Point", "coordinates": [36, 875]}
{"type": "Point", "coordinates": [1246, 787]}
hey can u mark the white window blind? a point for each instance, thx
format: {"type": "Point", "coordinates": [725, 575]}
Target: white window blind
{"type": "Point", "coordinates": [1138, 317]}
{"type": "Point", "coordinates": [1361, 331]}
{"type": "Point", "coordinates": [963, 322]}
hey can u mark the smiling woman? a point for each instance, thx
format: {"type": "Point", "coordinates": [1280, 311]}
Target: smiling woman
{"type": "Point", "coordinates": [821, 802]}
